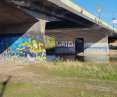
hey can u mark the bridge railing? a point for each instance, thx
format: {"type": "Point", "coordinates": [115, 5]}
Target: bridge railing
{"type": "Point", "coordinates": [78, 8]}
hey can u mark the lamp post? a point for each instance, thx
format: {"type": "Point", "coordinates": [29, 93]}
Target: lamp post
{"type": "Point", "coordinates": [113, 11]}
{"type": "Point", "coordinates": [99, 12]}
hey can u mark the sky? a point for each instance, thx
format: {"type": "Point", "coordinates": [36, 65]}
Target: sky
{"type": "Point", "coordinates": [106, 13]}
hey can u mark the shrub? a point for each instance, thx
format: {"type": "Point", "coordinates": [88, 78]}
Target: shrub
{"type": "Point", "coordinates": [58, 60]}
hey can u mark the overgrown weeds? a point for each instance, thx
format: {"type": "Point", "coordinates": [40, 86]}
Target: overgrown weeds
{"type": "Point", "coordinates": [58, 60]}
{"type": "Point", "coordinates": [83, 69]}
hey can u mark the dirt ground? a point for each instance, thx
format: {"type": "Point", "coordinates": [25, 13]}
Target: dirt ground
{"type": "Point", "coordinates": [6, 67]}
{"type": "Point", "coordinates": [113, 52]}
{"type": "Point", "coordinates": [43, 81]}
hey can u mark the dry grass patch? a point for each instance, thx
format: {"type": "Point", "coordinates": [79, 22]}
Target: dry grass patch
{"type": "Point", "coordinates": [81, 69]}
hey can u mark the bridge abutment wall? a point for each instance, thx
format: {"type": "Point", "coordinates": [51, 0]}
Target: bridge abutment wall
{"type": "Point", "coordinates": [93, 43]}
{"type": "Point", "coordinates": [96, 45]}
{"type": "Point", "coordinates": [25, 45]}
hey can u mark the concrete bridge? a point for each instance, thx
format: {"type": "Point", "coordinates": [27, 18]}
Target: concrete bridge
{"type": "Point", "coordinates": [23, 24]}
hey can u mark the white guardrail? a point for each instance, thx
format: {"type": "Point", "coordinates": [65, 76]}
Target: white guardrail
{"type": "Point", "coordinates": [78, 8]}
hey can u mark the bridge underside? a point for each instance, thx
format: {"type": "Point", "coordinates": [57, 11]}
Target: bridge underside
{"type": "Point", "coordinates": [24, 24]}
{"type": "Point", "coordinates": [11, 15]}
{"type": "Point", "coordinates": [95, 40]}
{"type": "Point", "coordinates": [74, 29]}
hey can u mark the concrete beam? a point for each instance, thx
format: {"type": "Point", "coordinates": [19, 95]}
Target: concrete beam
{"type": "Point", "coordinates": [9, 15]}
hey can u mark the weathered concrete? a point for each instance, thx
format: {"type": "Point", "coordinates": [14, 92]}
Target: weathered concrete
{"type": "Point", "coordinates": [10, 15]}
{"type": "Point", "coordinates": [95, 41]}
{"type": "Point", "coordinates": [27, 46]}
{"type": "Point", "coordinates": [96, 45]}
{"type": "Point", "coordinates": [65, 46]}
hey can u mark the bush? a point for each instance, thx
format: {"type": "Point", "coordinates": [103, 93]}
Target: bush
{"type": "Point", "coordinates": [58, 60]}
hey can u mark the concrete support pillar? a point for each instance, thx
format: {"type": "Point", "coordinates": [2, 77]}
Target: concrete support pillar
{"type": "Point", "coordinates": [27, 46]}
{"type": "Point", "coordinates": [65, 46]}
{"type": "Point", "coordinates": [96, 45]}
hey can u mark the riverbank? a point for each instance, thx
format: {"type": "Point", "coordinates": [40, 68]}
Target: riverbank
{"type": "Point", "coordinates": [61, 79]}
{"type": "Point", "coordinates": [107, 71]}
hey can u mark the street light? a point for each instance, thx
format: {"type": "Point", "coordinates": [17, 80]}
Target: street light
{"type": "Point", "coordinates": [113, 11]}
{"type": "Point", "coordinates": [99, 12]}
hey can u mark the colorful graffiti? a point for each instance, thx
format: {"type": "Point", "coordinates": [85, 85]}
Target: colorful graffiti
{"type": "Point", "coordinates": [27, 47]}
{"type": "Point", "coordinates": [95, 47]}
{"type": "Point", "coordinates": [65, 47]}
{"type": "Point", "coordinates": [95, 44]}
{"type": "Point", "coordinates": [65, 44]}
{"type": "Point", "coordinates": [64, 50]}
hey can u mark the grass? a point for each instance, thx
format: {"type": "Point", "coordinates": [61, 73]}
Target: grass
{"type": "Point", "coordinates": [50, 44]}
{"type": "Point", "coordinates": [49, 90]}
{"type": "Point", "coordinates": [64, 79]}
{"type": "Point", "coordinates": [86, 70]}
{"type": "Point", "coordinates": [0, 88]}
{"type": "Point", "coordinates": [112, 55]}
{"type": "Point", "coordinates": [106, 71]}
{"type": "Point", "coordinates": [58, 60]}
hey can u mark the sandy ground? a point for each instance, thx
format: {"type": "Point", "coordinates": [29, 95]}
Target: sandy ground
{"type": "Point", "coordinates": [11, 69]}
{"type": "Point", "coordinates": [6, 67]}
{"type": "Point", "coordinates": [113, 52]}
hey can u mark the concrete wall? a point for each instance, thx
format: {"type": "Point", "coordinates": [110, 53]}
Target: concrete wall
{"type": "Point", "coordinates": [27, 46]}
{"type": "Point", "coordinates": [65, 46]}
{"type": "Point", "coordinates": [92, 45]}
{"type": "Point", "coordinates": [96, 45]}
{"type": "Point", "coordinates": [95, 42]}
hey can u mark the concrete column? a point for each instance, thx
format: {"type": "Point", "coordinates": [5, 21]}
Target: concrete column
{"type": "Point", "coordinates": [27, 46]}
{"type": "Point", "coordinates": [96, 45]}
{"type": "Point", "coordinates": [65, 46]}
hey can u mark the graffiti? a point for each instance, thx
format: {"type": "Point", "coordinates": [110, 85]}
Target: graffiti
{"type": "Point", "coordinates": [65, 47]}
{"type": "Point", "coordinates": [35, 48]}
{"type": "Point", "coordinates": [32, 50]}
{"type": "Point", "coordinates": [67, 50]}
{"type": "Point", "coordinates": [65, 44]}
{"type": "Point", "coordinates": [28, 47]}
{"type": "Point", "coordinates": [95, 44]}
{"type": "Point", "coordinates": [95, 47]}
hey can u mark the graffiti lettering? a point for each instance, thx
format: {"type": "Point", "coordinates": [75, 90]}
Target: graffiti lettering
{"type": "Point", "coordinates": [65, 44]}
{"type": "Point", "coordinates": [65, 47]}
{"type": "Point", "coordinates": [95, 44]}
